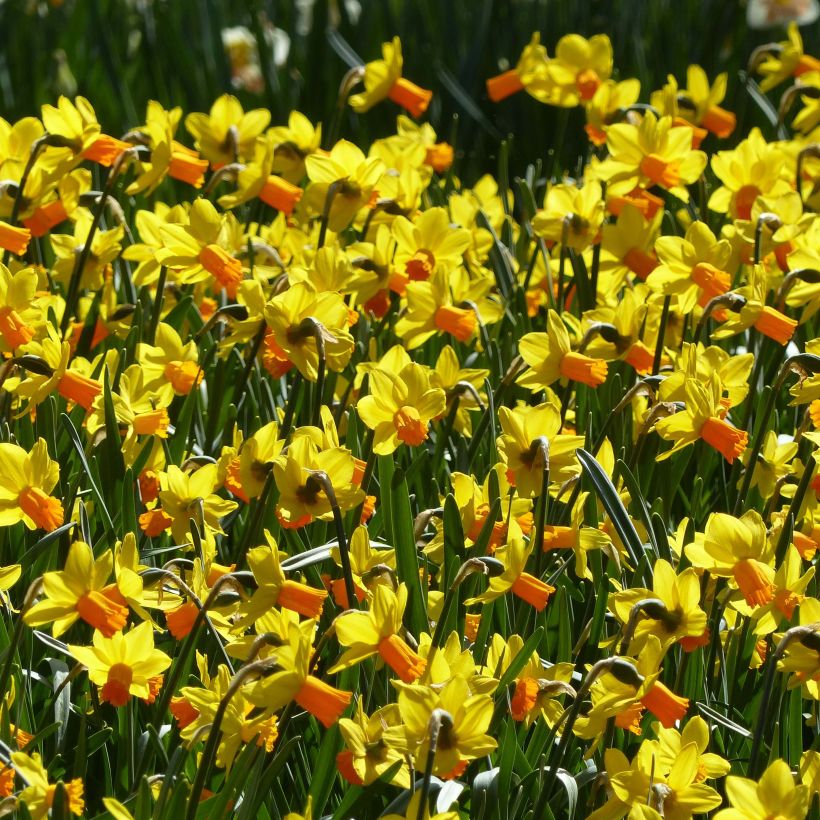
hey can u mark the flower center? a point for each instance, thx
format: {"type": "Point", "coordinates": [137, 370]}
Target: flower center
{"type": "Point", "coordinates": [117, 688]}
{"type": "Point", "coordinates": [409, 427]}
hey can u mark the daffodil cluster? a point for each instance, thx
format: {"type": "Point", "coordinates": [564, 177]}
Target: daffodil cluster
{"type": "Point", "coordinates": [318, 455]}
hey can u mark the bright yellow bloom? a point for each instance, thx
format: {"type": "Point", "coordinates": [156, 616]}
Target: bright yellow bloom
{"type": "Point", "coordinates": [81, 590]}
{"type": "Point", "coordinates": [428, 243]}
{"type": "Point", "coordinates": [367, 756]}
{"type": "Point", "coordinates": [353, 176]}
{"type": "Point", "coordinates": [550, 358]}
{"type": "Point", "coordinates": [529, 74]}
{"type": "Point", "coordinates": [576, 213]}
{"type": "Point", "coordinates": [578, 69]}
{"type": "Point", "coordinates": [200, 251]}
{"type": "Point", "coordinates": [382, 79]}
{"type": "Point", "coordinates": [739, 549]}
{"type": "Point", "coordinates": [378, 632]}
{"type": "Point", "coordinates": [227, 133]}
{"type": "Point", "coordinates": [653, 153]}
{"type": "Point", "coordinates": [169, 362]}
{"type": "Point", "coordinates": [301, 496]}
{"type": "Point", "coordinates": [105, 248]}
{"type": "Point", "coordinates": [463, 732]}
{"type": "Point", "coordinates": [753, 168]}
{"type": "Point", "coordinates": [520, 444]}
{"type": "Point", "coordinates": [679, 618]}
{"type": "Point", "coordinates": [696, 731]}
{"type": "Point", "coordinates": [787, 60]}
{"type": "Point", "coordinates": [293, 143]}
{"type": "Point", "coordinates": [26, 481]}
{"type": "Point", "coordinates": [702, 418]}
{"type": "Point", "coordinates": [38, 796]}
{"type": "Point", "coordinates": [187, 496]}
{"type": "Point", "coordinates": [124, 664]}
{"type": "Point", "coordinates": [774, 795]}
{"type": "Point", "coordinates": [608, 98]}
{"type": "Point", "coordinates": [297, 315]}
{"type": "Point", "coordinates": [514, 578]}
{"type": "Point", "coordinates": [400, 407]}
{"type": "Point", "coordinates": [693, 267]}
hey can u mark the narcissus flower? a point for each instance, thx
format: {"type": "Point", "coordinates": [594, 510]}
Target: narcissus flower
{"type": "Point", "coordinates": [273, 589]}
{"type": "Point", "coordinates": [530, 434]}
{"type": "Point", "coordinates": [382, 80]}
{"type": "Point", "coordinates": [653, 153]}
{"type": "Point", "coordinates": [26, 481]}
{"type": "Point", "coordinates": [352, 176]}
{"type": "Point", "coordinates": [514, 579]}
{"type": "Point", "coordinates": [572, 215]}
{"type": "Point", "coordinates": [124, 664]}
{"type": "Point", "coordinates": [702, 418]}
{"type": "Point", "coordinates": [227, 133]}
{"type": "Point", "coordinates": [679, 616]}
{"type": "Point", "coordinates": [38, 796]}
{"type": "Point", "coordinates": [81, 590]}
{"type": "Point", "coordinates": [465, 720]}
{"type": "Point", "coordinates": [737, 548]}
{"type": "Point", "coordinates": [786, 60]}
{"type": "Point", "coordinates": [296, 316]}
{"type": "Point", "coordinates": [367, 756]}
{"type": "Point", "coordinates": [578, 69]}
{"type": "Point", "coordinates": [774, 795]}
{"type": "Point", "coordinates": [302, 496]}
{"type": "Point", "coordinates": [378, 632]}
{"type": "Point", "coordinates": [529, 74]}
{"type": "Point", "coordinates": [550, 358]}
{"type": "Point", "coordinates": [400, 407]}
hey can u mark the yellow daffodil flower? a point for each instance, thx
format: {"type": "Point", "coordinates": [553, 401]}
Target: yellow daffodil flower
{"type": "Point", "coordinates": [400, 407]}
{"type": "Point", "coordinates": [38, 796]}
{"type": "Point", "coordinates": [774, 795]}
{"type": "Point", "coordinates": [377, 632]}
{"type": "Point", "coordinates": [26, 481]}
{"type": "Point", "coordinates": [123, 665]}
{"type": "Point", "coordinates": [382, 79]}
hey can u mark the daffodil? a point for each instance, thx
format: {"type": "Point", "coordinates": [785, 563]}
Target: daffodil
{"type": "Point", "coordinates": [739, 549]}
{"type": "Point", "coordinates": [170, 362]}
{"type": "Point", "coordinates": [382, 79]}
{"type": "Point", "coordinates": [530, 75]}
{"type": "Point", "coordinates": [400, 407]}
{"type": "Point", "coordinates": [756, 313]}
{"type": "Point", "coordinates": [428, 243]}
{"type": "Point", "coordinates": [787, 59]}
{"type": "Point", "coordinates": [627, 246]}
{"type": "Point", "coordinates": [671, 742]}
{"type": "Point", "coordinates": [677, 618]}
{"type": "Point", "coordinates": [227, 133]}
{"type": "Point", "coordinates": [653, 153]}
{"type": "Point", "coordinates": [81, 590]}
{"type": "Point", "coordinates": [693, 267]}
{"type": "Point", "coordinates": [38, 795]}
{"type": "Point", "coordinates": [608, 99]}
{"type": "Point", "coordinates": [366, 756]}
{"type": "Point", "coordinates": [105, 248]}
{"type": "Point", "coordinates": [774, 795]}
{"type": "Point", "coordinates": [302, 497]}
{"type": "Point", "coordinates": [352, 176]}
{"type": "Point", "coordinates": [550, 358]}
{"type": "Point", "coordinates": [123, 665]}
{"type": "Point", "coordinates": [463, 726]}
{"type": "Point", "coordinates": [26, 482]}
{"type": "Point", "coordinates": [293, 143]}
{"type": "Point", "coordinates": [752, 169]}
{"type": "Point", "coordinates": [369, 567]}
{"type": "Point", "coordinates": [571, 215]}
{"type": "Point", "coordinates": [702, 418]}
{"type": "Point", "coordinates": [200, 251]}
{"type": "Point", "coordinates": [578, 69]}
{"type": "Point", "coordinates": [296, 316]}
{"type": "Point", "coordinates": [514, 556]}
{"type": "Point", "coordinates": [294, 682]}
{"type": "Point", "coordinates": [378, 632]}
